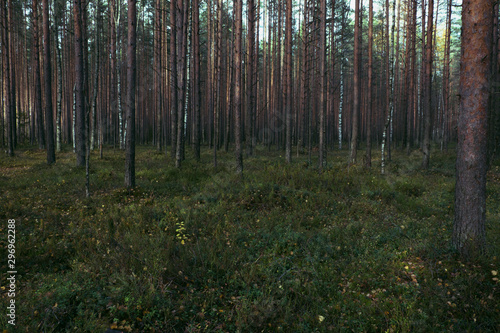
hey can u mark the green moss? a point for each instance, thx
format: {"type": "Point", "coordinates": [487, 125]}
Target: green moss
{"type": "Point", "coordinates": [283, 248]}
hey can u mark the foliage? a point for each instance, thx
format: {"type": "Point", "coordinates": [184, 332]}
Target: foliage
{"type": "Point", "coordinates": [281, 249]}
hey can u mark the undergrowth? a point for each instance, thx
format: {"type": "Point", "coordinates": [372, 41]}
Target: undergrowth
{"type": "Point", "coordinates": [282, 248]}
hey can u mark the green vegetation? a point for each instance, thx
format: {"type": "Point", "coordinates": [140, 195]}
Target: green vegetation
{"type": "Point", "coordinates": [284, 248]}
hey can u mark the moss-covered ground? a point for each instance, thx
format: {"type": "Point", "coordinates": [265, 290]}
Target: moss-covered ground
{"type": "Point", "coordinates": [282, 248]}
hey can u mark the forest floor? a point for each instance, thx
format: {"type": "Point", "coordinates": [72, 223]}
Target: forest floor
{"type": "Point", "coordinates": [204, 250]}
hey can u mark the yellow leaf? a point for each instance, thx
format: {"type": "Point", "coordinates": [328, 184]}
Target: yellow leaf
{"type": "Point", "coordinates": [114, 326]}
{"type": "Point", "coordinates": [494, 273]}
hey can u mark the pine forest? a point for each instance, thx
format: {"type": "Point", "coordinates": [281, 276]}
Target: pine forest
{"type": "Point", "coordinates": [250, 166]}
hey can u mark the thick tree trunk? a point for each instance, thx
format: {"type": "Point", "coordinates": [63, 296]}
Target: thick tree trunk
{"type": "Point", "coordinates": [131, 77]}
{"type": "Point", "coordinates": [470, 191]}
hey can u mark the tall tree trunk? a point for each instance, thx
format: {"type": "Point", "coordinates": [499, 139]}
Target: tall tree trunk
{"type": "Point", "coordinates": [96, 74]}
{"type": "Point", "coordinates": [196, 83]}
{"type": "Point", "coordinates": [182, 24]}
{"type": "Point", "coordinates": [426, 149]}
{"type": "Point", "coordinates": [6, 78]}
{"type": "Point", "coordinates": [342, 57]}
{"type": "Point", "coordinates": [113, 100]}
{"type": "Point", "coordinates": [59, 92]}
{"type": "Point", "coordinates": [446, 78]}
{"type": "Point", "coordinates": [237, 87]}
{"type": "Point", "coordinates": [13, 61]}
{"type": "Point", "coordinates": [250, 76]}
{"type": "Point", "coordinates": [356, 89]}
{"type": "Point", "coordinates": [79, 86]}
{"type": "Point", "coordinates": [47, 74]}
{"type": "Point", "coordinates": [210, 70]}
{"type": "Point", "coordinates": [370, 88]}
{"type": "Point", "coordinates": [217, 75]}
{"type": "Point", "coordinates": [388, 96]}
{"type": "Point", "coordinates": [288, 81]}
{"type": "Point", "coordinates": [157, 74]}
{"type": "Point", "coordinates": [173, 77]}
{"type": "Point", "coordinates": [322, 83]}
{"type": "Point", "coordinates": [131, 90]}
{"type": "Point", "coordinates": [38, 85]}
{"type": "Point", "coordinates": [470, 191]}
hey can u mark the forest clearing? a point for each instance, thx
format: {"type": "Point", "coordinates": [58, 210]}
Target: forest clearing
{"type": "Point", "coordinates": [283, 248]}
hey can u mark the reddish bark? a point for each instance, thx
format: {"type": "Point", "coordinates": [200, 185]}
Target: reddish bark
{"type": "Point", "coordinates": [470, 191]}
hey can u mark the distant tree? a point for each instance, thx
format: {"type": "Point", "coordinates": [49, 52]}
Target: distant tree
{"type": "Point", "coordinates": [131, 77]}
{"type": "Point", "coordinates": [322, 84]}
{"type": "Point", "coordinates": [38, 85]}
{"type": "Point", "coordinates": [79, 84]}
{"type": "Point", "coordinates": [182, 32]}
{"type": "Point", "coordinates": [58, 17]}
{"type": "Point", "coordinates": [288, 81]}
{"type": "Point", "coordinates": [426, 145]}
{"type": "Point", "coordinates": [196, 83]}
{"type": "Point", "coordinates": [357, 86]}
{"type": "Point", "coordinates": [370, 88]}
{"type": "Point", "coordinates": [158, 72]}
{"type": "Point", "coordinates": [237, 86]}
{"type": "Point", "coordinates": [6, 76]}
{"type": "Point", "coordinates": [173, 76]}
{"type": "Point", "coordinates": [47, 74]}
{"type": "Point", "coordinates": [470, 191]}
{"type": "Point", "coordinates": [250, 76]}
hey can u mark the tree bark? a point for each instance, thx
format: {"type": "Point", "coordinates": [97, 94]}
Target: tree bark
{"type": "Point", "coordinates": [470, 191]}
{"type": "Point", "coordinates": [173, 77]}
{"type": "Point", "coordinates": [370, 88]}
{"type": "Point", "coordinates": [322, 83]}
{"type": "Point", "coordinates": [356, 89]}
{"type": "Point", "coordinates": [38, 85]}
{"type": "Point", "coordinates": [426, 149]}
{"type": "Point", "coordinates": [59, 92]}
{"type": "Point", "coordinates": [250, 76]}
{"type": "Point", "coordinates": [47, 74]}
{"type": "Point", "coordinates": [131, 77]}
{"type": "Point", "coordinates": [237, 87]}
{"type": "Point", "coordinates": [196, 83]}
{"type": "Point", "coordinates": [288, 81]}
{"type": "Point", "coordinates": [6, 78]}
{"type": "Point", "coordinates": [79, 86]}
{"type": "Point", "coordinates": [157, 74]}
